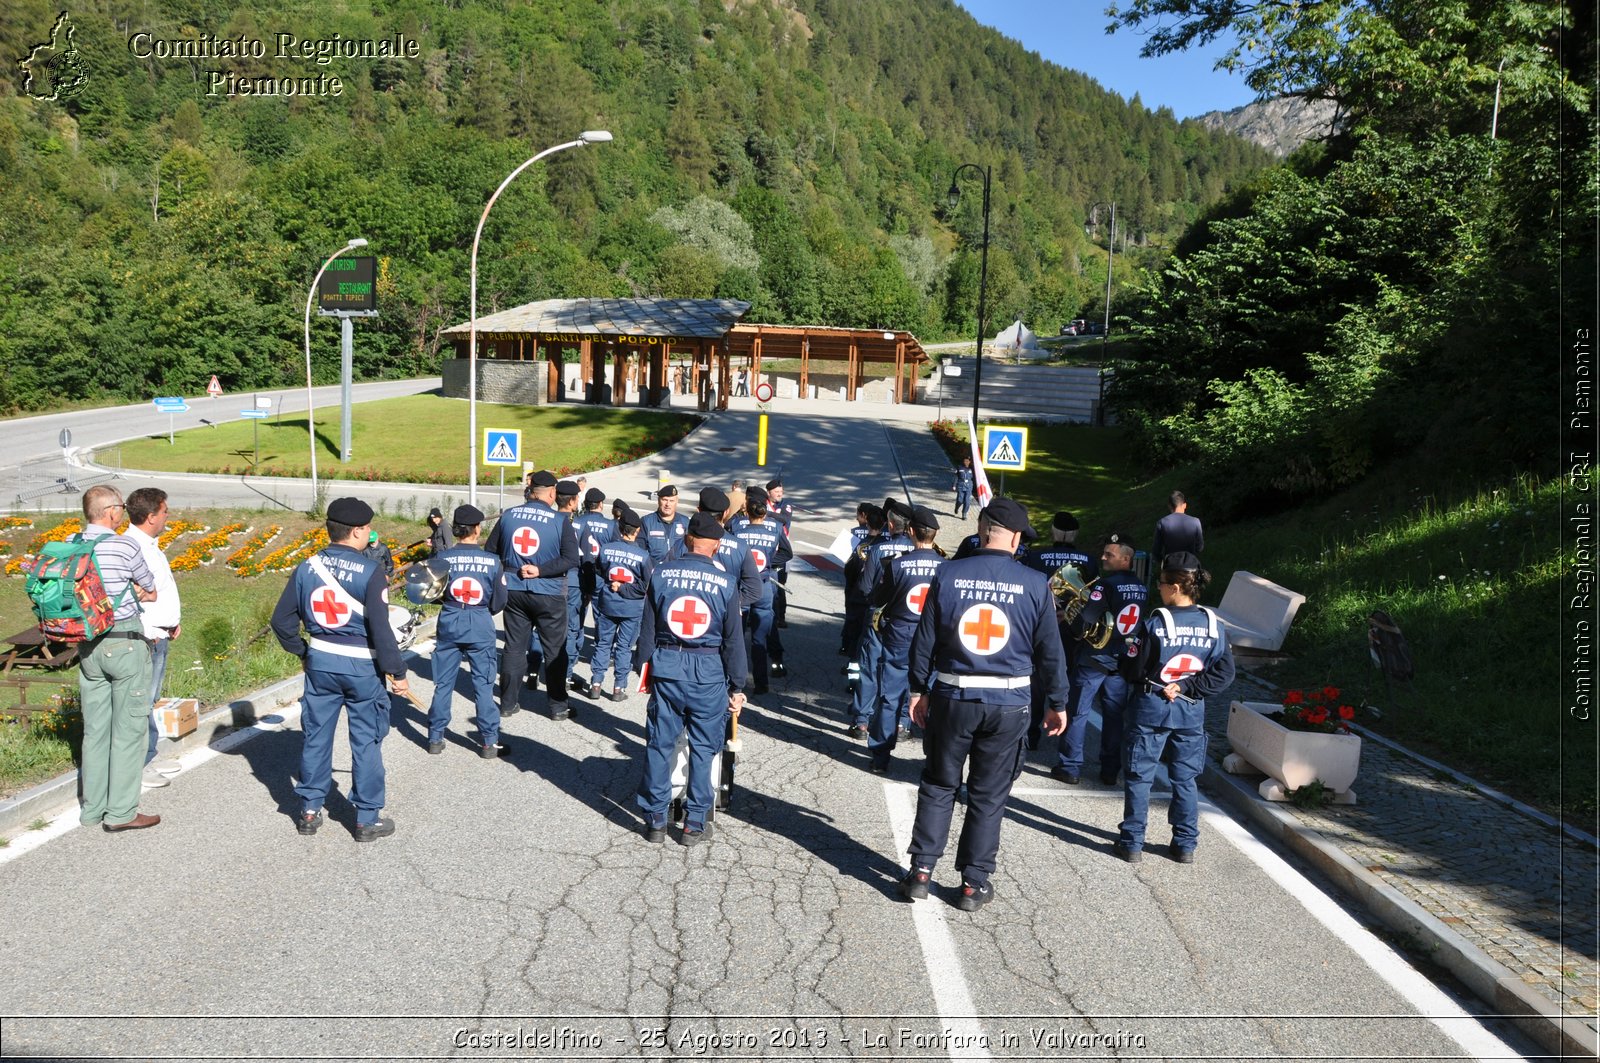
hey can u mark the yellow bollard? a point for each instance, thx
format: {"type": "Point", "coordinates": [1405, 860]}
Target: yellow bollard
{"type": "Point", "coordinates": [761, 442]}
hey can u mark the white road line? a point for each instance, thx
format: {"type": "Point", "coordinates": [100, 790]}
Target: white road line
{"type": "Point", "coordinates": [1389, 965]}
{"type": "Point", "coordinates": [949, 985]}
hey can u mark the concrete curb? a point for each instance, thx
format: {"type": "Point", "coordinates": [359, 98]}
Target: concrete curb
{"type": "Point", "coordinates": [54, 796]}
{"type": "Point", "coordinates": [1537, 1015]}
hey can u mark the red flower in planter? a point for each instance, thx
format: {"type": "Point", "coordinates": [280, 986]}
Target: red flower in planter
{"type": "Point", "coordinates": [1294, 697]}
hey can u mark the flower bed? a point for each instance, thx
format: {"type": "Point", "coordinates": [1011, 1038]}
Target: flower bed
{"type": "Point", "coordinates": [199, 552]}
{"type": "Point", "coordinates": [239, 558]}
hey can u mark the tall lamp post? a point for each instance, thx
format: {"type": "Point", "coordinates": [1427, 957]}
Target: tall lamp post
{"type": "Point", "coordinates": [590, 136]}
{"type": "Point", "coordinates": [1111, 258]}
{"type": "Point", "coordinates": [311, 295]}
{"type": "Point", "coordinates": [983, 271]}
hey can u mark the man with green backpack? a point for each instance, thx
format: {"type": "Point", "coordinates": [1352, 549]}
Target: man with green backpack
{"type": "Point", "coordinates": [91, 597]}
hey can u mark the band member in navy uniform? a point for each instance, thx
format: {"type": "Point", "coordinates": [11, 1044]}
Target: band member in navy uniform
{"type": "Point", "coordinates": [1115, 609]}
{"type": "Point", "coordinates": [593, 529]}
{"type": "Point", "coordinates": [537, 547]}
{"type": "Point", "coordinates": [1063, 550]}
{"type": "Point", "coordinates": [869, 526]}
{"type": "Point", "coordinates": [898, 596]}
{"type": "Point", "coordinates": [732, 551]}
{"type": "Point", "coordinates": [769, 548]}
{"type": "Point", "coordinates": [691, 639]}
{"type": "Point", "coordinates": [1182, 658]}
{"type": "Point", "coordinates": [895, 541]}
{"type": "Point", "coordinates": [987, 634]}
{"type": "Point", "coordinates": [341, 598]}
{"type": "Point", "coordinates": [475, 590]}
{"type": "Point", "coordinates": [664, 526]}
{"type": "Point", "coordinates": [623, 568]}
{"type": "Point", "coordinates": [567, 492]}
{"type": "Point", "coordinates": [964, 483]}
{"type": "Point", "coordinates": [783, 513]}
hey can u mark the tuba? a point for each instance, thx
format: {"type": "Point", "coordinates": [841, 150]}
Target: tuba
{"type": "Point", "coordinates": [1072, 592]}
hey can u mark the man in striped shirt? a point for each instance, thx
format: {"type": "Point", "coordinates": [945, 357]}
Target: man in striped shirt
{"type": "Point", "coordinates": [114, 675]}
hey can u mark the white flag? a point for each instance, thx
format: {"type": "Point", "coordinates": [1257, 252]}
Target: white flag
{"type": "Point", "coordinates": [980, 477]}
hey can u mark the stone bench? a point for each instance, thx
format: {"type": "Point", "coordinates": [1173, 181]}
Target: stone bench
{"type": "Point", "coordinates": [1257, 612]}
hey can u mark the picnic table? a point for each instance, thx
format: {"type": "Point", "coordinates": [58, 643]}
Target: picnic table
{"type": "Point", "coordinates": [29, 648]}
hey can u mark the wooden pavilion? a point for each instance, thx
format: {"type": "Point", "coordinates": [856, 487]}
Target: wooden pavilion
{"type": "Point", "coordinates": [638, 339]}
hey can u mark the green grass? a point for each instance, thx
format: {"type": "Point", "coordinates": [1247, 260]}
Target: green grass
{"type": "Point", "coordinates": [223, 615]}
{"type": "Point", "coordinates": [415, 439]}
{"type": "Point", "coordinates": [1469, 570]}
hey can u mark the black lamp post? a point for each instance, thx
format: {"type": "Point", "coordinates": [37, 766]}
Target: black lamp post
{"type": "Point", "coordinates": [983, 271]}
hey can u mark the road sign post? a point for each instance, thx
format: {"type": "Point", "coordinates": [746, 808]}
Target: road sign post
{"type": "Point", "coordinates": [170, 405]}
{"type": "Point", "coordinates": [1005, 447]}
{"type": "Point", "coordinates": [502, 447]}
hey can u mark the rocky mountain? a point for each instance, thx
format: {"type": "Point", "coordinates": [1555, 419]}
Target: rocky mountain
{"type": "Point", "coordinates": [1280, 125]}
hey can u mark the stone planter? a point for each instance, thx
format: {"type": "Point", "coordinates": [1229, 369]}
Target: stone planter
{"type": "Point", "coordinates": [1290, 759]}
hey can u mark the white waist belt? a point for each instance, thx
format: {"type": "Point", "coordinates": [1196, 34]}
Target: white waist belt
{"type": "Point", "coordinates": [364, 652]}
{"type": "Point", "coordinates": [983, 682]}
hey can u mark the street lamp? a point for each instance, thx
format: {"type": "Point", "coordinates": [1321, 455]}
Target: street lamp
{"type": "Point", "coordinates": [983, 271]}
{"type": "Point", "coordinates": [311, 428]}
{"type": "Point", "coordinates": [1111, 257]}
{"type": "Point", "coordinates": [590, 136]}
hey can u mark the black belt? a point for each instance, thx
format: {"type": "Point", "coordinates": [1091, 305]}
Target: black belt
{"type": "Point", "coordinates": [688, 649]}
{"type": "Point", "coordinates": [122, 635]}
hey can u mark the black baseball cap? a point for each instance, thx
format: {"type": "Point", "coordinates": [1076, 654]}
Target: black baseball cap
{"type": "Point", "coordinates": [1182, 561]}
{"type": "Point", "coordinates": [1010, 515]}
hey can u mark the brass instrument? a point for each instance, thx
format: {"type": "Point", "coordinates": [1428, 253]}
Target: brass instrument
{"type": "Point", "coordinates": [1072, 592]}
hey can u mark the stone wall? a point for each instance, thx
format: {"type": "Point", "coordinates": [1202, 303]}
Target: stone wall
{"type": "Point", "coordinates": [516, 383]}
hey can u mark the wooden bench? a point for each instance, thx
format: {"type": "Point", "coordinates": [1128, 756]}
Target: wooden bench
{"type": "Point", "coordinates": [22, 712]}
{"type": "Point", "coordinates": [29, 648]}
{"type": "Point", "coordinates": [1257, 612]}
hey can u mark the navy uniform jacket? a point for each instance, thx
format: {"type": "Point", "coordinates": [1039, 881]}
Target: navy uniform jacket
{"type": "Point", "coordinates": [341, 596]}
{"type": "Point", "coordinates": [1049, 559]}
{"type": "Point", "coordinates": [1175, 532]}
{"type": "Point", "coordinates": [474, 592]}
{"type": "Point", "coordinates": [880, 552]}
{"type": "Point", "coordinates": [628, 565]}
{"type": "Point", "coordinates": [735, 556]}
{"type": "Point", "coordinates": [986, 615]}
{"type": "Point", "coordinates": [1123, 596]}
{"type": "Point", "coordinates": [692, 606]}
{"type": "Point", "coordinates": [971, 545]}
{"type": "Point", "coordinates": [1186, 645]}
{"type": "Point", "coordinates": [661, 537]}
{"type": "Point", "coordinates": [783, 513]}
{"type": "Point", "coordinates": [861, 540]}
{"type": "Point", "coordinates": [593, 530]}
{"type": "Point", "coordinates": [965, 481]}
{"type": "Point", "coordinates": [901, 592]}
{"type": "Point", "coordinates": [768, 544]}
{"type": "Point", "coordinates": [535, 534]}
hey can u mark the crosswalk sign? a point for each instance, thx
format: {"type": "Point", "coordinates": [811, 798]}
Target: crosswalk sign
{"type": "Point", "coordinates": [1005, 447]}
{"type": "Point", "coordinates": [502, 446]}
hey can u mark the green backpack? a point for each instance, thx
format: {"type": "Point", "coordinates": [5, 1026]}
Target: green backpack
{"type": "Point", "coordinates": [68, 596]}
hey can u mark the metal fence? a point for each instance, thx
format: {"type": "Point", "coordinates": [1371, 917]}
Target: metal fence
{"type": "Point", "coordinates": [42, 482]}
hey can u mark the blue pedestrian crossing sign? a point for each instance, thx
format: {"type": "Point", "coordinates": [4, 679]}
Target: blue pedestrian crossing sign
{"type": "Point", "coordinates": [502, 446]}
{"type": "Point", "coordinates": [1005, 447]}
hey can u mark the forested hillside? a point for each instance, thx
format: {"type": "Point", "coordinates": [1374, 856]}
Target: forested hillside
{"type": "Point", "coordinates": [1402, 297]}
{"type": "Point", "coordinates": [796, 153]}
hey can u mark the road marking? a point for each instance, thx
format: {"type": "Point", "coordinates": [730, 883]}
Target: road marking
{"type": "Point", "coordinates": [1457, 1024]}
{"type": "Point", "coordinates": [950, 994]}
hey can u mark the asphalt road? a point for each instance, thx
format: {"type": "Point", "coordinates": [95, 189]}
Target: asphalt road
{"type": "Point", "coordinates": [518, 913]}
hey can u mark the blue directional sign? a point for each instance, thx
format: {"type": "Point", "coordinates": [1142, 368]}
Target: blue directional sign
{"type": "Point", "coordinates": [253, 413]}
{"type": "Point", "coordinates": [502, 446]}
{"type": "Point", "coordinates": [1005, 447]}
{"type": "Point", "coordinates": [170, 404]}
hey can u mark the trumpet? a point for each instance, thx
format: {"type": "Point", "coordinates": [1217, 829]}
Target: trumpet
{"type": "Point", "coordinates": [1073, 591]}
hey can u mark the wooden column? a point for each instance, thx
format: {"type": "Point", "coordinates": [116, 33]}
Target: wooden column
{"type": "Point", "coordinates": [899, 370]}
{"type": "Point", "coordinates": [755, 362]}
{"type": "Point", "coordinates": [702, 377]}
{"type": "Point", "coordinates": [805, 366]}
{"type": "Point", "coordinates": [585, 368]}
{"type": "Point", "coordinates": [619, 370]}
{"type": "Point", "coordinates": [555, 359]}
{"type": "Point", "coordinates": [852, 369]}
